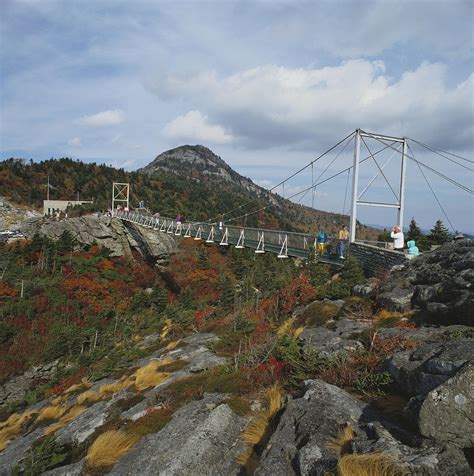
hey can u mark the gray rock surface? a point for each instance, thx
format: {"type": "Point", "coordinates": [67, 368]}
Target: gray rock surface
{"type": "Point", "coordinates": [447, 414]}
{"type": "Point", "coordinates": [16, 451]}
{"type": "Point", "coordinates": [299, 444]}
{"type": "Point", "coordinates": [329, 341]}
{"type": "Point", "coordinates": [201, 439]}
{"type": "Point", "coordinates": [119, 237]}
{"type": "Point", "coordinates": [74, 469]}
{"type": "Point", "coordinates": [16, 388]}
{"type": "Point", "coordinates": [421, 370]}
{"type": "Point", "coordinates": [439, 283]}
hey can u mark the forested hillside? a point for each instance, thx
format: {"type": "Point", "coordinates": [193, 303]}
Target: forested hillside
{"type": "Point", "coordinates": [199, 197]}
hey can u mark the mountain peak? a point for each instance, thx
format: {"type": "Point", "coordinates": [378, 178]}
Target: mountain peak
{"type": "Point", "coordinates": [192, 161]}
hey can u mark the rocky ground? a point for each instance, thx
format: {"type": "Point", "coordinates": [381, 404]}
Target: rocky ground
{"type": "Point", "coordinates": [184, 412]}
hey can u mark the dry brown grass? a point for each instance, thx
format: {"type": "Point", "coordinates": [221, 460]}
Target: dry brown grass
{"type": "Point", "coordinates": [370, 464]}
{"type": "Point", "coordinates": [51, 412]}
{"type": "Point", "coordinates": [109, 447]}
{"type": "Point", "coordinates": [112, 388]}
{"type": "Point", "coordinates": [341, 444]}
{"type": "Point", "coordinates": [166, 329]}
{"type": "Point", "coordinates": [73, 413]}
{"type": "Point", "coordinates": [172, 345]}
{"type": "Point", "coordinates": [89, 396]}
{"type": "Point", "coordinates": [148, 376]}
{"type": "Point", "coordinates": [11, 428]}
{"type": "Point", "coordinates": [78, 387]}
{"type": "Point", "coordinates": [256, 429]}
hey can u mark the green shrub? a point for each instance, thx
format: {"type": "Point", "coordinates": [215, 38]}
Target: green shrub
{"type": "Point", "coordinates": [48, 454]}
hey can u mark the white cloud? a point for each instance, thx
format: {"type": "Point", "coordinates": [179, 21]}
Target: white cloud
{"type": "Point", "coordinates": [196, 127]}
{"type": "Point", "coordinates": [75, 142]}
{"type": "Point", "coordinates": [103, 118]}
{"type": "Point", "coordinates": [271, 105]}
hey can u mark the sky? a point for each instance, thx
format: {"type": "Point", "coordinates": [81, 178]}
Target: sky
{"type": "Point", "coordinates": [266, 85]}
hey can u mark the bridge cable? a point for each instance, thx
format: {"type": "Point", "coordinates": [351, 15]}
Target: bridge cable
{"type": "Point", "coordinates": [327, 167]}
{"type": "Point", "coordinates": [434, 149]}
{"type": "Point", "coordinates": [345, 194]}
{"type": "Point", "coordinates": [433, 192]}
{"type": "Point", "coordinates": [315, 185]}
{"type": "Point", "coordinates": [380, 170]}
{"type": "Point", "coordinates": [310, 187]}
{"type": "Point", "coordinates": [445, 177]}
{"type": "Point", "coordinates": [222, 215]}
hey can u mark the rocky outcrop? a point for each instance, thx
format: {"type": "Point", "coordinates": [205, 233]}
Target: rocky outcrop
{"type": "Point", "coordinates": [301, 442]}
{"type": "Point", "coordinates": [16, 387]}
{"type": "Point", "coordinates": [299, 446]}
{"type": "Point", "coordinates": [337, 339]}
{"type": "Point", "coordinates": [447, 414]}
{"type": "Point", "coordinates": [11, 215]}
{"type": "Point", "coordinates": [419, 371]}
{"type": "Point", "coordinates": [119, 237]}
{"type": "Point", "coordinates": [440, 284]}
{"type": "Point", "coordinates": [202, 438]}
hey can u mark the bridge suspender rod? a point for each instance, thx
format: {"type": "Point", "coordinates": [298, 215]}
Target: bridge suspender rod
{"type": "Point", "coordinates": [284, 248]}
{"type": "Point", "coordinates": [241, 241]}
{"type": "Point", "coordinates": [261, 243]}
{"type": "Point", "coordinates": [225, 238]}
{"type": "Point", "coordinates": [187, 233]}
{"type": "Point", "coordinates": [198, 234]}
{"type": "Point", "coordinates": [210, 238]}
{"type": "Point", "coordinates": [170, 228]}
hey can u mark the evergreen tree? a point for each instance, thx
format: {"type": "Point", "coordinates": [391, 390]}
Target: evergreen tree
{"type": "Point", "coordinates": [66, 242]}
{"type": "Point", "coordinates": [414, 231]}
{"type": "Point", "coordinates": [352, 273]}
{"type": "Point", "coordinates": [160, 298]}
{"type": "Point", "coordinates": [226, 288]}
{"type": "Point", "coordinates": [439, 234]}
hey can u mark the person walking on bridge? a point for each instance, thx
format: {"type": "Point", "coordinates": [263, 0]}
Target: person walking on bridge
{"type": "Point", "coordinates": [322, 240]}
{"type": "Point", "coordinates": [343, 237]}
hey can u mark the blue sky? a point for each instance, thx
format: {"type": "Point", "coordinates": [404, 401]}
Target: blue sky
{"type": "Point", "coordinates": [267, 85]}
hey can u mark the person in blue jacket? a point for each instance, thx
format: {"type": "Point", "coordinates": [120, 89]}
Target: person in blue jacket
{"type": "Point", "coordinates": [322, 240]}
{"type": "Point", "coordinates": [412, 248]}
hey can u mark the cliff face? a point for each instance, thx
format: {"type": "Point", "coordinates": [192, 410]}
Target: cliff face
{"type": "Point", "coordinates": [120, 238]}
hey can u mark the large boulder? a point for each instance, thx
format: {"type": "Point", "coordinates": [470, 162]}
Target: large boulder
{"type": "Point", "coordinates": [299, 446]}
{"type": "Point", "coordinates": [202, 438]}
{"type": "Point", "coordinates": [447, 414]}
{"type": "Point", "coordinates": [121, 238]}
{"type": "Point", "coordinates": [439, 283]}
{"type": "Point", "coordinates": [419, 371]}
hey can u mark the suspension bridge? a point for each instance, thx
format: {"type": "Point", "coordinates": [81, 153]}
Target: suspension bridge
{"type": "Point", "coordinates": [221, 229]}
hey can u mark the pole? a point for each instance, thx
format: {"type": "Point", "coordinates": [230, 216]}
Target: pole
{"type": "Point", "coordinates": [47, 193]}
{"type": "Point", "coordinates": [355, 185]}
{"type": "Point", "coordinates": [22, 289]}
{"type": "Point", "coordinates": [401, 208]}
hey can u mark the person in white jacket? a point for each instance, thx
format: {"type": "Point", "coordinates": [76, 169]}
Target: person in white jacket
{"type": "Point", "coordinates": [398, 238]}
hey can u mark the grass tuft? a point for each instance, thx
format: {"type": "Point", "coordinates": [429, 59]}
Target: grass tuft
{"type": "Point", "coordinates": [109, 447]}
{"type": "Point", "coordinates": [52, 412]}
{"type": "Point", "coordinates": [370, 464]}
{"type": "Point", "coordinates": [77, 387]}
{"type": "Point", "coordinates": [73, 413]}
{"type": "Point", "coordinates": [89, 396]}
{"type": "Point", "coordinates": [256, 430]}
{"type": "Point", "coordinates": [341, 444]}
{"type": "Point", "coordinates": [11, 428]}
{"type": "Point", "coordinates": [148, 376]}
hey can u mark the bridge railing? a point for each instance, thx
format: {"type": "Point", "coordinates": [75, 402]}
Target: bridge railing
{"type": "Point", "coordinates": [261, 240]}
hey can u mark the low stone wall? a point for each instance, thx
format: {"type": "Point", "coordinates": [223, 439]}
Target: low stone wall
{"type": "Point", "coordinates": [374, 259]}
